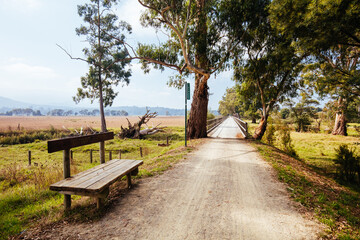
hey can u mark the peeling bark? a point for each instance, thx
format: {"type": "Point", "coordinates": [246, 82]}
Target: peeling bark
{"type": "Point", "coordinates": [198, 114]}
{"type": "Point", "coordinates": [340, 119]}
{"type": "Point", "coordinates": [340, 125]}
{"type": "Point", "coordinates": [260, 130]}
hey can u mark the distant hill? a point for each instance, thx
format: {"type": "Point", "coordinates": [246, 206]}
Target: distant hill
{"type": "Point", "coordinates": [7, 105]}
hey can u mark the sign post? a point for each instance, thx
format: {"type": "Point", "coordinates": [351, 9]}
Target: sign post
{"type": "Point", "coordinates": [187, 97]}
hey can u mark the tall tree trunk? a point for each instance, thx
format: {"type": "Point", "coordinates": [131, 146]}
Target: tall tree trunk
{"type": "Point", "coordinates": [199, 106]}
{"type": "Point", "coordinates": [101, 98]}
{"type": "Point", "coordinates": [102, 112]}
{"type": "Point", "coordinates": [198, 114]}
{"type": "Point", "coordinates": [340, 119]}
{"type": "Point", "coordinates": [340, 125]}
{"type": "Point", "coordinates": [260, 130]}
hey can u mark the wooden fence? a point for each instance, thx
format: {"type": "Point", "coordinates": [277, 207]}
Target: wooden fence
{"type": "Point", "coordinates": [213, 123]}
{"type": "Point", "coordinates": [243, 126]}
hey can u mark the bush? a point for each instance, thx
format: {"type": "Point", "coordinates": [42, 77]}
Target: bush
{"type": "Point", "coordinates": [270, 134]}
{"type": "Point", "coordinates": [347, 163]}
{"type": "Point", "coordinates": [285, 140]}
{"type": "Point", "coordinates": [210, 115]}
{"type": "Point", "coordinates": [302, 123]}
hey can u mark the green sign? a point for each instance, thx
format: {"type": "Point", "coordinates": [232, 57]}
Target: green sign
{"type": "Point", "coordinates": [187, 89]}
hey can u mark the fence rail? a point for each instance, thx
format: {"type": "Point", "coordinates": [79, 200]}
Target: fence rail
{"type": "Point", "coordinates": [243, 126]}
{"type": "Point", "coordinates": [213, 123]}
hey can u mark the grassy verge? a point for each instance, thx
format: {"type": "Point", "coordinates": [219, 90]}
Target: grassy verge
{"type": "Point", "coordinates": [25, 200]}
{"type": "Point", "coordinates": [318, 149]}
{"type": "Point", "coordinates": [334, 205]}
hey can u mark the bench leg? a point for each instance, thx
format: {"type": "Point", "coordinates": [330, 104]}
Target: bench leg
{"type": "Point", "coordinates": [67, 201]}
{"type": "Point", "coordinates": [128, 178]}
{"type": "Point", "coordinates": [99, 203]}
{"type": "Point", "coordinates": [135, 172]}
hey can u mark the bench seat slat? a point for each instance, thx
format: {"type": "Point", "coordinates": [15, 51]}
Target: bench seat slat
{"type": "Point", "coordinates": [92, 173]}
{"type": "Point", "coordinates": [97, 179]}
{"type": "Point", "coordinates": [118, 170]}
{"type": "Point", "coordinates": [88, 172]}
{"type": "Point", "coordinates": [111, 178]}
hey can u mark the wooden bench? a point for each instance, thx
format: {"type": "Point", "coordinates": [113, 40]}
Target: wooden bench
{"type": "Point", "coordinates": [93, 182]}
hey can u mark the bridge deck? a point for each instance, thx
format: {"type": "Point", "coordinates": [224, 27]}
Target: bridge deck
{"type": "Point", "coordinates": [227, 129]}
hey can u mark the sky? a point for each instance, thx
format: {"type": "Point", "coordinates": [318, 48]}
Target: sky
{"type": "Point", "coordinates": [35, 70]}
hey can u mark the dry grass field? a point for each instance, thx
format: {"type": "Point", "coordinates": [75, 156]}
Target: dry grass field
{"type": "Point", "coordinates": [45, 122]}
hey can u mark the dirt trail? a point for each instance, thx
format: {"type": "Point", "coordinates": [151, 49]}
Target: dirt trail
{"type": "Point", "coordinates": [222, 191]}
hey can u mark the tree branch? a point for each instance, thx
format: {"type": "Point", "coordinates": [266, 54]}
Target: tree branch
{"type": "Point", "coordinates": [71, 57]}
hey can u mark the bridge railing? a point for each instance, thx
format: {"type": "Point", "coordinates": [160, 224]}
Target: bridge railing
{"type": "Point", "coordinates": [213, 123]}
{"type": "Point", "coordinates": [243, 126]}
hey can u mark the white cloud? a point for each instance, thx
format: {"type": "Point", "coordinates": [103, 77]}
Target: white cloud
{"type": "Point", "coordinates": [21, 70]}
{"type": "Point", "coordinates": [20, 5]}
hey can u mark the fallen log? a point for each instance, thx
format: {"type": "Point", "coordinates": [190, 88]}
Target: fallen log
{"type": "Point", "coordinates": [134, 130]}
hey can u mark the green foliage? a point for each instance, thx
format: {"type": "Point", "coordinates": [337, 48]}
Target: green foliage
{"type": "Point", "coordinates": [210, 115]}
{"type": "Point", "coordinates": [329, 31]}
{"type": "Point", "coordinates": [270, 72]}
{"type": "Point", "coordinates": [303, 112]}
{"type": "Point", "coordinates": [317, 25]}
{"type": "Point", "coordinates": [347, 163]}
{"type": "Point", "coordinates": [21, 137]}
{"type": "Point", "coordinates": [270, 134]}
{"type": "Point", "coordinates": [285, 140]}
{"type": "Point", "coordinates": [230, 103]}
{"type": "Point", "coordinates": [284, 112]}
{"type": "Point", "coordinates": [106, 55]}
{"type": "Point", "coordinates": [193, 36]}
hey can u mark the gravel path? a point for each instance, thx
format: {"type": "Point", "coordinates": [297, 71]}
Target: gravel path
{"type": "Point", "coordinates": [222, 191]}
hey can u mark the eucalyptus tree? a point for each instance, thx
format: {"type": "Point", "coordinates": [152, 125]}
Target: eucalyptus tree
{"type": "Point", "coordinates": [336, 75]}
{"type": "Point", "coordinates": [229, 104]}
{"type": "Point", "coordinates": [106, 55]}
{"type": "Point", "coordinates": [329, 30]}
{"type": "Point", "coordinates": [196, 45]}
{"type": "Point", "coordinates": [272, 65]}
{"type": "Point", "coordinates": [250, 100]}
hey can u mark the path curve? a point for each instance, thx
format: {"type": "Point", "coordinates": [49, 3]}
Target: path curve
{"type": "Point", "coordinates": [224, 190]}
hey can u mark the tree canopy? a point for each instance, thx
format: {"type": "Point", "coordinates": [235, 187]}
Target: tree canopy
{"type": "Point", "coordinates": [105, 55]}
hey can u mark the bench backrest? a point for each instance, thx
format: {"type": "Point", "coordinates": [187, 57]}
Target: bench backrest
{"type": "Point", "coordinates": [71, 142]}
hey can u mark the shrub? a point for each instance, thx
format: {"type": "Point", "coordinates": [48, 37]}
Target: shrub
{"type": "Point", "coordinates": [347, 163]}
{"type": "Point", "coordinates": [210, 115]}
{"type": "Point", "coordinates": [285, 140]}
{"type": "Point", "coordinates": [270, 134]}
{"type": "Point", "coordinates": [302, 123]}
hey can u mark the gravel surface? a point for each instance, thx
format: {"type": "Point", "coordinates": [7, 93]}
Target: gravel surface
{"type": "Point", "coordinates": [224, 190]}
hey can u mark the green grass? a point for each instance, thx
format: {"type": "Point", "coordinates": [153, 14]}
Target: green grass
{"type": "Point", "coordinates": [312, 181]}
{"type": "Point", "coordinates": [318, 149]}
{"type": "Point", "coordinates": [334, 205]}
{"type": "Point", "coordinates": [25, 200]}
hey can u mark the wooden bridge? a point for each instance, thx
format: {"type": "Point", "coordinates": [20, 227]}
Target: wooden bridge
{"type": "Point", "coordinates": [227, 127]}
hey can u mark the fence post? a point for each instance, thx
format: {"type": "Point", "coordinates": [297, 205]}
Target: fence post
{"type": "Point", "coordinates": [120, 154]}
{"type": "Point", "coordinates": [91, 156]}
{"type": "Point", "coordinates": [102, 152]}
{"type": "Point", "coordinates": [29, 157]}
{"type": "Point", "coordinates": [167, 140]}
{"type": "Point", "coordinates": [141, 153]}
{"type": "Point", "coordinates": [71, 155]}
{"type": "Point", "coordinates": [66, 161]}
{"type": "Point", "coordinates": [110, 155]}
